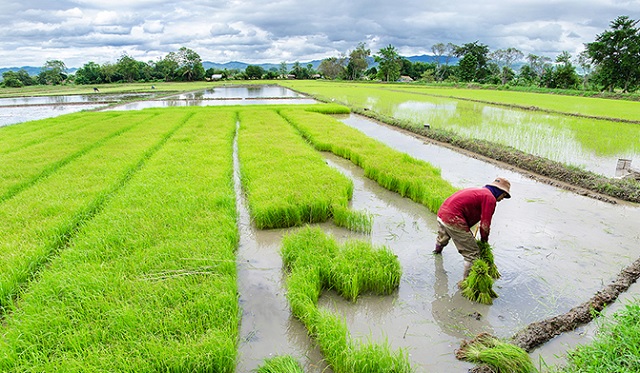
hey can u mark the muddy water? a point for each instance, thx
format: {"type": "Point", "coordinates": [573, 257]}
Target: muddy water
{"type": "Point", "coordinates": [553, 248]}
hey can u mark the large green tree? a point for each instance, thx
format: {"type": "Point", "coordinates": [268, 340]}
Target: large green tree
{"type": "Point", "coordinates": [565, 75]}
{"type": "Point", "coordinates": [616, 55]}
{"type": "Point", "coordinates": [332, 67]}
{"type": "Point", "coordinates": [389, 63]}
{"type": "Point", "coordinates": [254, 72]}
{"type": "Point", "coordinates": [53, 72]}
{"type": "Point", "coordinates": [17, 79]}
{"type": "Point", "coordinates": [472, 66]}
{"type": "Point", "coordinates": [127, 68]}
{"type": "Point", "coordinates": [90, 73]}
{"type": "Point", "coordinates": [190, 65]}
{"type": "Point", "coordinates": [358, 63]}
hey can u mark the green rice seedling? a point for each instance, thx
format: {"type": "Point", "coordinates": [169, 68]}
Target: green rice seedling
{"type": "Point", "coordinates": [486, 254]}
{"type": "Point", "coordinates": [148, 283]}
{"type": "Point", "coordinates": [24, 167]}
{"type": "Point", "coordinates": [287, 182]}
{"type": "Point", "coordinates": [360, 268]}
{"type": "Point", "coordinates": [316, 262]}
{"type": "Point", "coordinates": [393, 170]}
{"type": "Point", "coordinates": [501, 357]}
{"type": "Point", "coordinates": [478, 286]}
{"type": "Point", "coordinates": [357, 221]}
{"type": "Point", "coordinates": [373, 357]}
{"type": "Point", "coordinates": [280, 364]}
{"type": "Point", "coordinates": [39, 221]}
{"type": "Point", "coordinates": [15, 138]}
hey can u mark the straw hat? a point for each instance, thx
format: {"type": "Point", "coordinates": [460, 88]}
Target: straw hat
{"type": "Point", "coordinates": [502, 184]}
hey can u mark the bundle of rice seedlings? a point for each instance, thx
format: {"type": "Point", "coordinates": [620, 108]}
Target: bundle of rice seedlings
{"type": "Point", "coordinates": [478, 286]}
{"type": "Point", "coordinates": [280, 364]}
{"type": "Point", "coordinates": [486, 254]}
{"type": "Point", "coordinates": [499, 356]}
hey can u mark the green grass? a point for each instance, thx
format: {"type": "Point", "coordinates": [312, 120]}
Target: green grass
{"type": "Point", "coordinates": [316, 262]}
{"type": "Point", "coordinates": [286, 181]}
{"type": "Point", "coordinates": [616, 347]}
{"type": "Point", "coordinates": [41, 219]}
{"type": "Point", "coordinates": [148, 284]}
{"type": "Point", "coordinates": [393, 170]}
{"type": "Point", "coordinates": [40, 153]}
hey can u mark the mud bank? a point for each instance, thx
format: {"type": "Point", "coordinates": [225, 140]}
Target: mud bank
{"type": "Point", "coordinates": [540, 332]}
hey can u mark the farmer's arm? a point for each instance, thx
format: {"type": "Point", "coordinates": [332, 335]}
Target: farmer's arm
{"type": "Point", "coordinates": [488, 208]}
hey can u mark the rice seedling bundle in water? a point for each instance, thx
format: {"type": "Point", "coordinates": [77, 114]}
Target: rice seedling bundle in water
{"type": "Point", "coordinates": [149, 283]}
{"type": "Point", "coordinates": [499, 356]}
{"type": "Point", "coordinates": [478, 286]}
{"type": "Point", "coordinates": [486, 254]}
{"type": "Point", "coordinates": [316, 262]}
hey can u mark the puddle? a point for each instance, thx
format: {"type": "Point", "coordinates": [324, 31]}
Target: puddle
{"type": "Point", "coordinates": [553, 248]}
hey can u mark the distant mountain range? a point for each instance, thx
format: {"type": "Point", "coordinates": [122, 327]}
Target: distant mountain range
{"type": "Point", "coordinates": [35, 70]}
{"type": "Point", "coordinates": [315, 63]}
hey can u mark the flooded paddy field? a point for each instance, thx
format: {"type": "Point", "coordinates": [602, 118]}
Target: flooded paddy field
{"type": "Point", "coordinates": [225, 95]}
{"type": "Point", "coordinates": [554, 249]}
{"type": "Point", "coordinates": [21, 109]}
{"type": "Point", "coordinates": [591, 144]}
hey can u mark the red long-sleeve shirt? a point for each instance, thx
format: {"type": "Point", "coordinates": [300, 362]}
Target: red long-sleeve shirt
{"type": "Point", "coordinates": [466, 207]}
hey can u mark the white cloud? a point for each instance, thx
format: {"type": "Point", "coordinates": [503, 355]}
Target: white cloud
{"type": "Point", "coordinates": [255, 31]}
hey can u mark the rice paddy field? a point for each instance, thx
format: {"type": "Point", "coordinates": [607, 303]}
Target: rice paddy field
{"type": "Point", "coordinates": [283, 238]}
{"type": "Point", "coordinates": [588, 133]}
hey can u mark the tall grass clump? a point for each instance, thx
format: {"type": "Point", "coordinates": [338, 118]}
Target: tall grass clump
{"type": "Point", "coordinates": [149, 283]}
{"type": "Point", "coordinates": [315, 262]}
{"type": "Point", "coordinates": [500, 357]}
{"type": "Point", "coordinates": [393, 170]}
{"type": "Point", "coordinates": [40, 221]}
{"type": "Point", "coordinates": [286, 181]}
{"type": "Point", "coordinates": [280, 364]}
{"type": "Point", "coordinates": [615, 348]}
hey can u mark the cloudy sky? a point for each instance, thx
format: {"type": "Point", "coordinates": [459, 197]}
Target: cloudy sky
{"type": "Point", "coordinates": [273, 31]}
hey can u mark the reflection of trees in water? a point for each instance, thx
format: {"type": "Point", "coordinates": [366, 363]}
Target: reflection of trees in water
{"type": "Point", "coordinates": [454, 314]}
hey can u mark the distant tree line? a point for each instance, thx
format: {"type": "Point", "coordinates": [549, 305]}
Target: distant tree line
{"type": "Point", "coordinates": [611, 62]}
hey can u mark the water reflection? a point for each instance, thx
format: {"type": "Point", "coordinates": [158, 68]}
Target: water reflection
{"type": "Point", "coordinates": [594, 145]}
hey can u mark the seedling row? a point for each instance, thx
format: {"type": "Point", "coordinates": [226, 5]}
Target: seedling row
{"type": "Point", "coordinates": [118, 245]}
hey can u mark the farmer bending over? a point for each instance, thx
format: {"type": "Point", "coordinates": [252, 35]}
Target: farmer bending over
{"type": "Point", "coordinates": [464, 209]}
